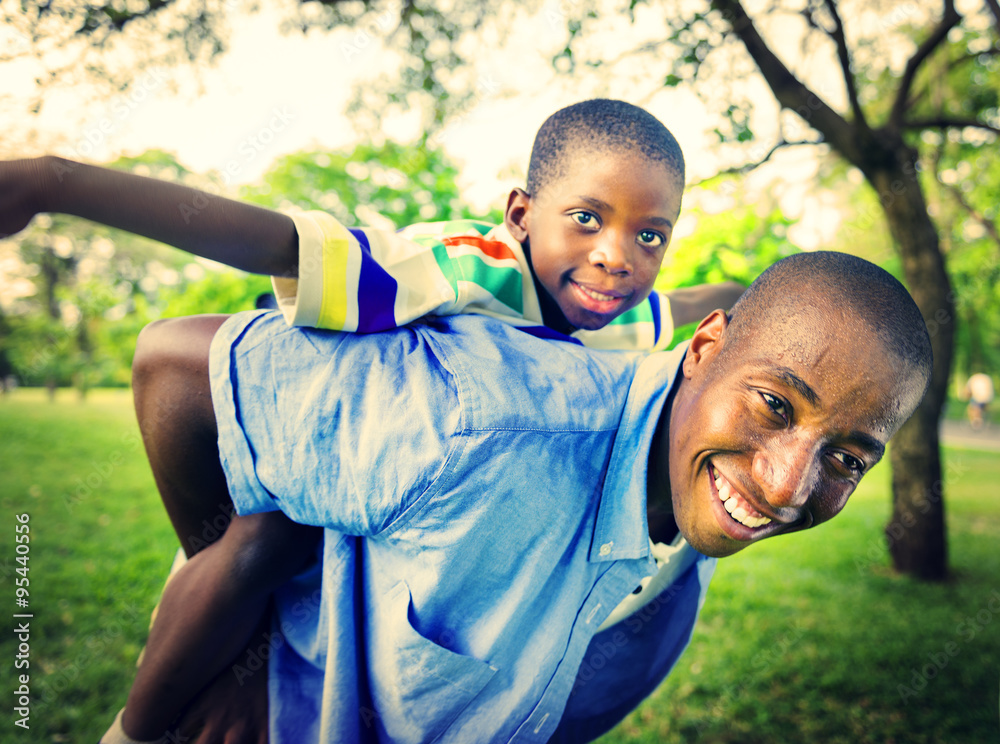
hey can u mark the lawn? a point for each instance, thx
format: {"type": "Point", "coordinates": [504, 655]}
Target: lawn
{"type": "Point", "coordinates": [807, 639]}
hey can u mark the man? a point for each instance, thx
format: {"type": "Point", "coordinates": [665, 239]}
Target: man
{"type": "Point", "coordinates": [489, 498]}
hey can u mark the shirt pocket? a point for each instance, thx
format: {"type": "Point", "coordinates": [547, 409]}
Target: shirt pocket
{"type": "Point", "coordinates": [418, 687]}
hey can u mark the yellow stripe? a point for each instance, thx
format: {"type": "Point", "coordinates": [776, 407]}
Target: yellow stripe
{"type": "Point", "coordinates": [336, 253]}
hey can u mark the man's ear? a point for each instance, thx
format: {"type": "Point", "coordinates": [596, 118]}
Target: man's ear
{"type": "Point", "coordinates": [515, 217]}
{"type": "Point", "coordinates": [706, 342]}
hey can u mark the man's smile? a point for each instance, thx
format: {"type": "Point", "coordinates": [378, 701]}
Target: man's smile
{"type": "Point", "coordinates": [737, 506]}
{"type": "Point", "coordinates": [734, 513]}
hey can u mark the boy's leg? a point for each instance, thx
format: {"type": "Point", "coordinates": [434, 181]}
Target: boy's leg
{"type": "Point", "coordinates": [208, 613]}
{"type": "Point", "coordinates": [173, 403]}
{"type": "Point", "coordinates": [211, 606]}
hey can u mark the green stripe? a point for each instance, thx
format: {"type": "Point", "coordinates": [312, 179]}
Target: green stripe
{"type": "Point", "coordinates": [445, 229]}
{"type": "Point", "coordinates": [459, 226]}
{"type": "Point", "coordinates": [444, 261]}
{"type": "Point", "coordinates": [503, 283]}
{"type": "Point", "coordinates": [642, 313]}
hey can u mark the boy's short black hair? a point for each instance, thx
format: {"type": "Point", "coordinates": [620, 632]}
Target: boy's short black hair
{"type": "Point", "coordinates": [850, 284]}
{"type": "Point", "coordinates": [603, 124]}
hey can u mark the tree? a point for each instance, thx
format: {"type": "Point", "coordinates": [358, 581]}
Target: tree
{"type": "Point", "coordinates": [402, 184]}
{"type": "Point", "coordinates": [734, 243]}
{"type": "Point", "coordinates": [916, 530]}
{"type": "Point", "coordinates": [861, 99]}
{"type": "Point", "coordinates": [69, 40]}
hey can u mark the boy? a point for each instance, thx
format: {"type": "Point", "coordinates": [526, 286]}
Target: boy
{"type": "Point", "coordinates": [605, 181]}
{"type": "Point", "coordinates": [480, 554]}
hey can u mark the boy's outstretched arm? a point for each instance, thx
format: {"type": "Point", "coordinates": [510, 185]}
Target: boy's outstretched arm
{"type": "Point", "coordinates": [692, 304]}
{"type": "Point", "coordinates": [241, 235]}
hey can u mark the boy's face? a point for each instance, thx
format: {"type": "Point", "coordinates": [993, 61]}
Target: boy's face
{"type": "Point", "coordinates": [773, 434]}
{"type": "Point", "coordinates": [596, 237]}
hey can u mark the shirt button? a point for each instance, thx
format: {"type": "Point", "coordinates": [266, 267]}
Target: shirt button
{"type": "Point", "coordinates": [606, 548]}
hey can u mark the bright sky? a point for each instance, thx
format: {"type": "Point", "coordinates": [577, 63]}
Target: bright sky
{"type": "Point", "coordinates": [272, 94]}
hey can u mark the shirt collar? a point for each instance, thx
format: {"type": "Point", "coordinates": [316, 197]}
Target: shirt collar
{"type": "Point", "coordinates": [621, 530]}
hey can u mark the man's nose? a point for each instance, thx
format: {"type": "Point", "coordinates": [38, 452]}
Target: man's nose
{"type": "Point", "coordinates": [785, 472]}
{"type": "Point", "coordinates": [612, 253]}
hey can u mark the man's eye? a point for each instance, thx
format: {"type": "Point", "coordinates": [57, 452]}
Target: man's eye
{"type": "Point", "coordinates": [776, 404]}
{"type": "Point", "coordinates": [850, 462]}
{"type": "Point", "coordinates": [651, 239]}
{"type": "Point", "coordinates": [585, 218]}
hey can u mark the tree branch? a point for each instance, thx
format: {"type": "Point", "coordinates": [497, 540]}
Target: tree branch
{"type": "Point", "coordinates": [845, 63]}
{"type": "Point", "coordinates": [740, 170]}
{"type": "Point", "coordinates": [791, 92]}
{"type": "Point", "coordinates": [994, 7]}
{"type": "Point", "coordinates": [947, 123]}
{"type": "Point", "coordinates": [949, 19]}
{"type": "Point", "coordinates": [110, 18]}
{"type": "Point", "coordinates": [987, 224]}
{"type": "Point", "coordinates": [919, 92]}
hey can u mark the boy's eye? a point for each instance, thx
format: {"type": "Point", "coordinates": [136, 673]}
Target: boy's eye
{"type": "Point", "coordinates": [850, 462]}
{"type": "Point", "coordinates": [651, 239]}
{"type": "Point", "coordinates": [585, 218]}
{"type": "Point", "coordinates": [776, 404]}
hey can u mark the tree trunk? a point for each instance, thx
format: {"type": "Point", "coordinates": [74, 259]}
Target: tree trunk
{"type": "Point", "coordinates": [916, 530]}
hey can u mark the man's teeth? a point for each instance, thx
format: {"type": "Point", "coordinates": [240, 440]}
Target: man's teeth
{"type": "Point", "coordinates": [738, 509]}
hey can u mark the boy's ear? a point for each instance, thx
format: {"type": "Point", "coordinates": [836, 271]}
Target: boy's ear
{"type": "Point", "coordinates": [706, 342]}
{"type": "Point", "coordinates": [515, 217]}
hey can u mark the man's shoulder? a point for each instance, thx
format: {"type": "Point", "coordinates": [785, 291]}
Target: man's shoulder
{"type": "Point", "coordinates": [505, 374]}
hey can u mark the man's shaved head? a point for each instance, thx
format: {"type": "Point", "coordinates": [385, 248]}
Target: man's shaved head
{"type": "Point", "coordinates": [849, 290]}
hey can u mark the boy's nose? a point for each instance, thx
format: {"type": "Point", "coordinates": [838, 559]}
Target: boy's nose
{"type": "Point", "coordinates": [785, 473]}
{"type": "Point", "coordinates": [612, 255]}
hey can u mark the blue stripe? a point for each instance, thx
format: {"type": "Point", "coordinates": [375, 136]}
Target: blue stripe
{"type": "Point", "coordinates": [654, 302]}
{"type": "Point", "coordinates": [548, 333]}
{"type": "Point", "coordinates": [376, 291]}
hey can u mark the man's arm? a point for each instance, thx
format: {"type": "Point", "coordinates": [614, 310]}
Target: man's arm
{"type": "Point", "coordinates": [241, 235]}
{"type": "Point", "coordinates": [692, 304]}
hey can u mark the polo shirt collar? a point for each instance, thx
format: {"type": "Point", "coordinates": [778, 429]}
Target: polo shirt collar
{"type": "Point", "coordinates": [621, 530]}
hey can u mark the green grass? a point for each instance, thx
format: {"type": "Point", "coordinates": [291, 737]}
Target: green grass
{"type": "Point", "coordinates": [100, 549]}
{"type": "Point", "coordinates": [804, 639]}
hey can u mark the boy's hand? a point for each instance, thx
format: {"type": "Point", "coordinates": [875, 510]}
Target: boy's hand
{"type": "Point", "coordinates": [21, 187]}
{"type": "Point", "coordinates": [230, 710]}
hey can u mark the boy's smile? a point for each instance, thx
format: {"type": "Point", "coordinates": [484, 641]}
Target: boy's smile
{"type": "Point", "coordinates": [596, 236]}
{"type": "Point", "coordinates": [773, 436]}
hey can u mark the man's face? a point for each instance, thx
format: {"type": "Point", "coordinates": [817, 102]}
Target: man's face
{"type": "Point", "coordinates": [597, 236]}
{"type": "Point", "coordinates": [773, 435]}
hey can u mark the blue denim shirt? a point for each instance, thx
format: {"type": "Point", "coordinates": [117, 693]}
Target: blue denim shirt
{"type": "Point", "coordinates": [484, 498]}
